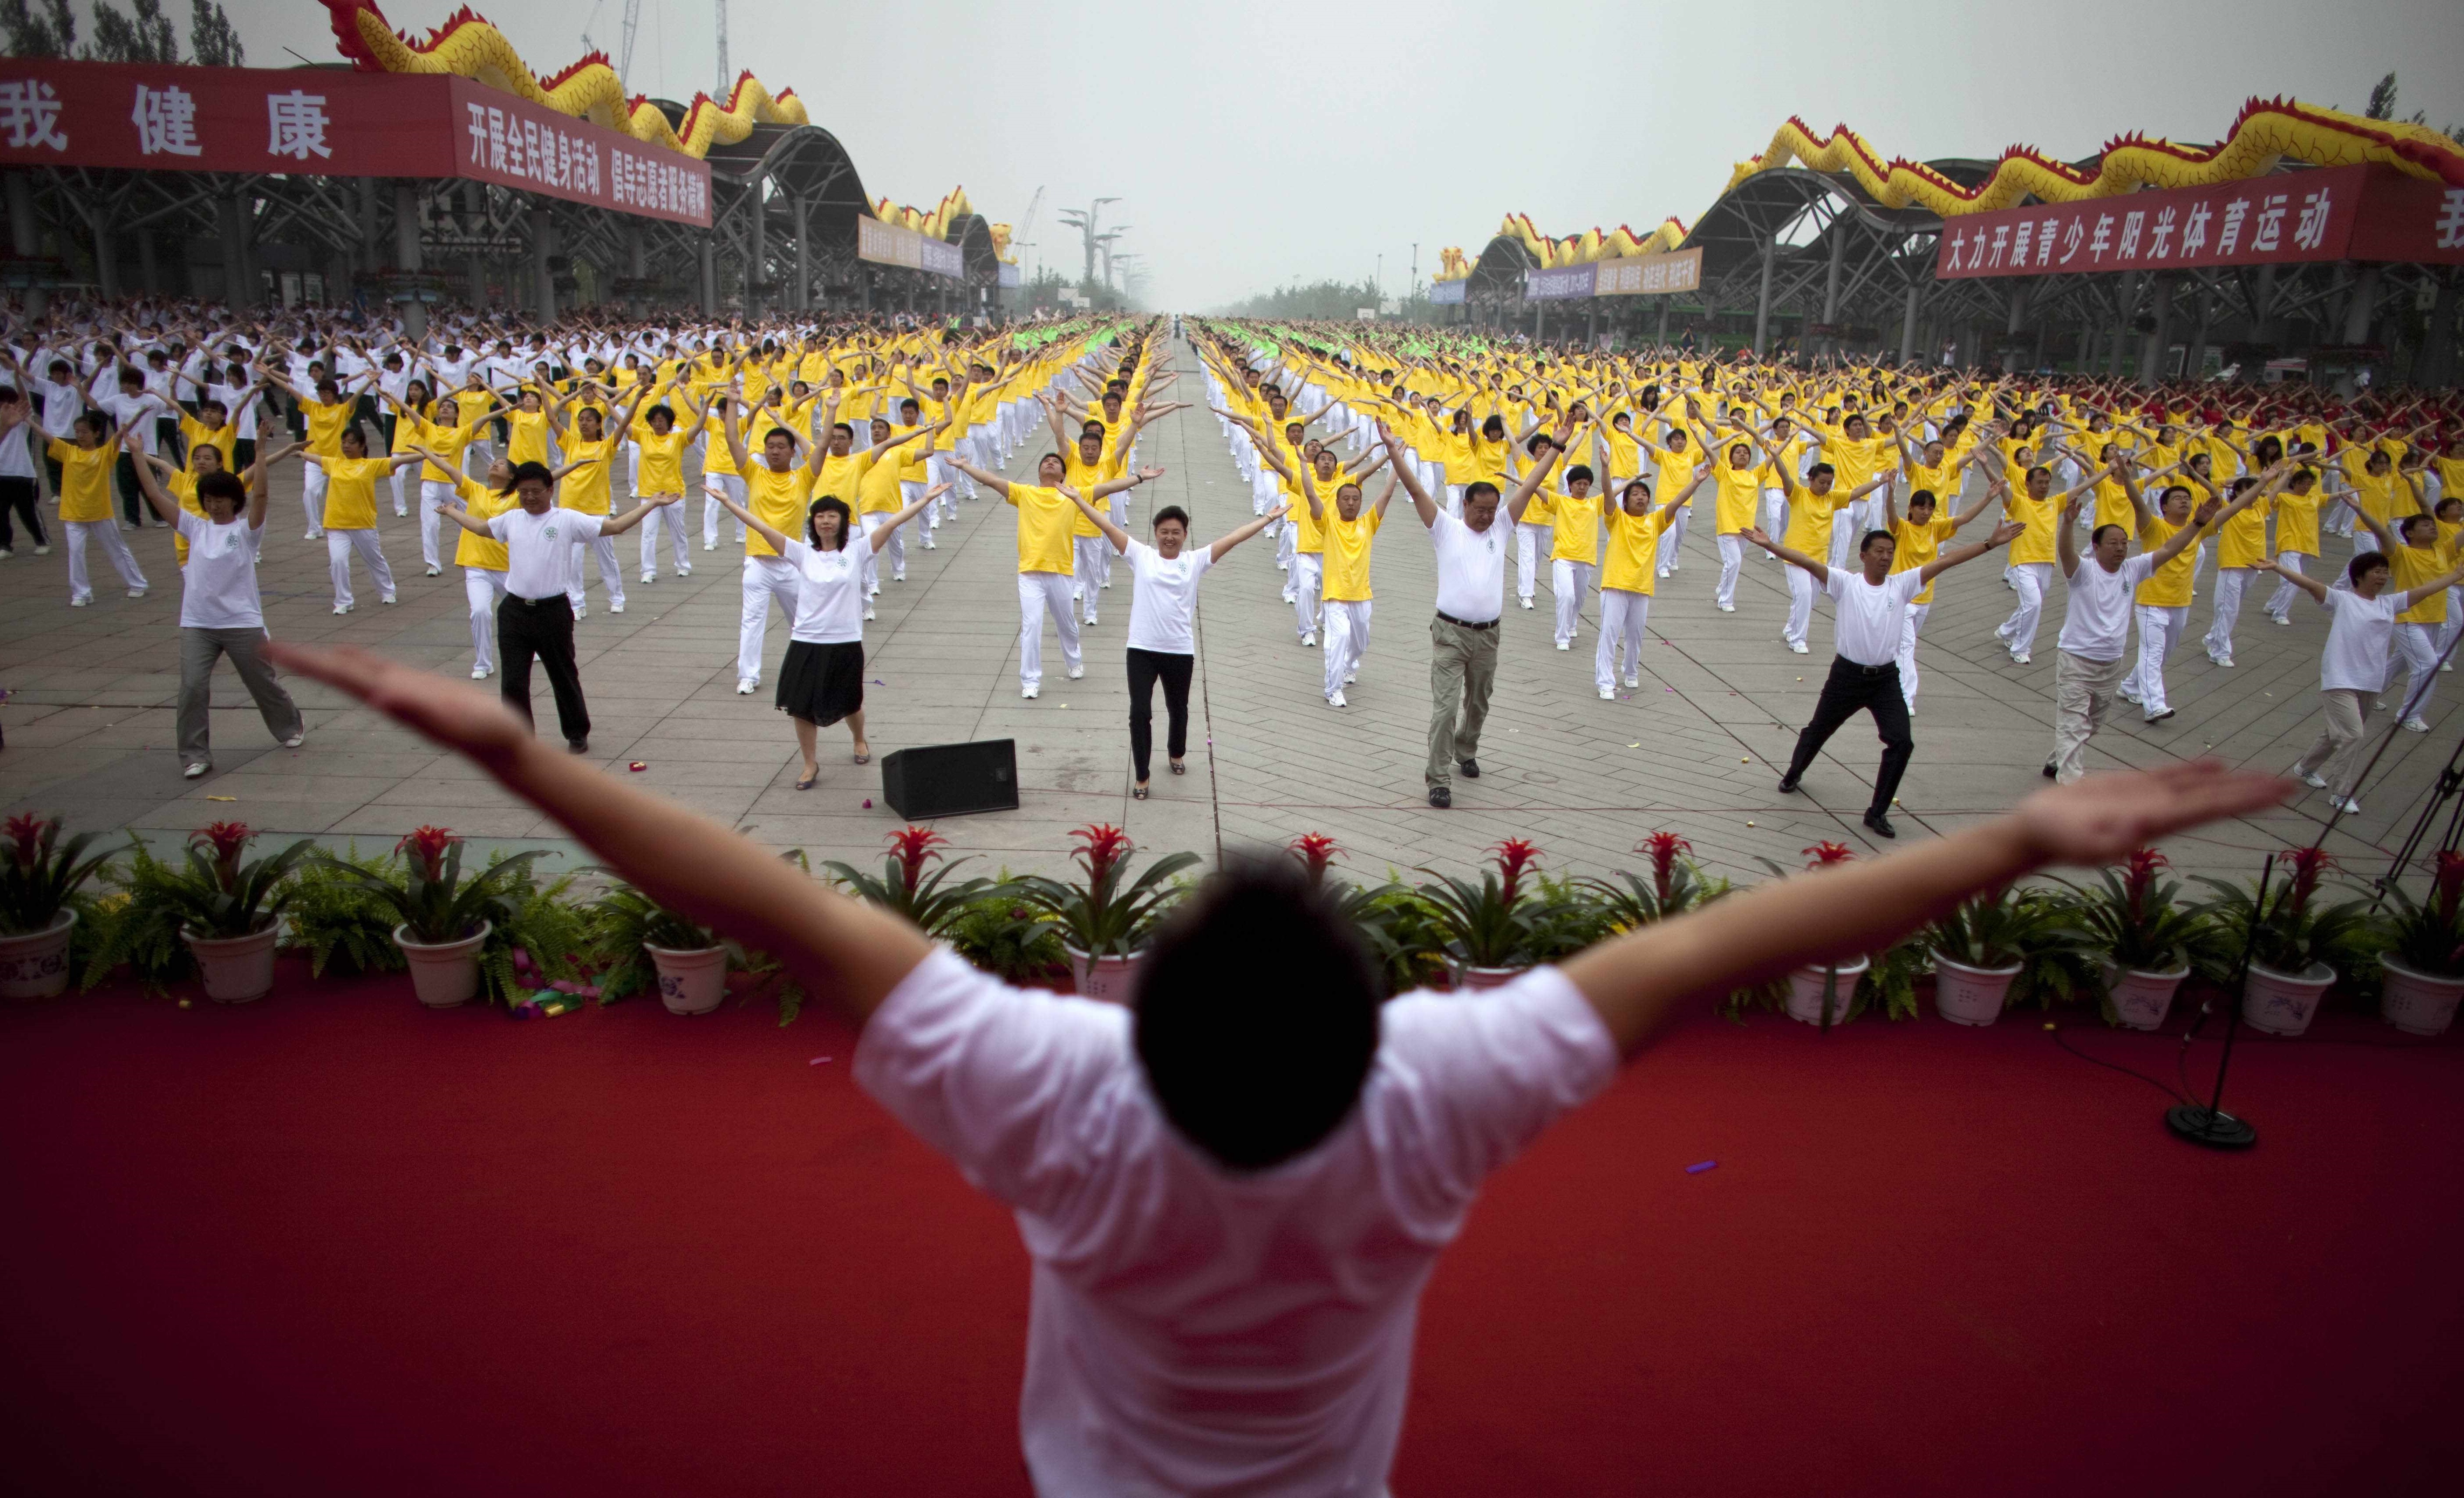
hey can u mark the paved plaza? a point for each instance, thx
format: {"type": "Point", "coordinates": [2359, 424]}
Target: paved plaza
{"type": "Point", "coordinates": [1696, 749]}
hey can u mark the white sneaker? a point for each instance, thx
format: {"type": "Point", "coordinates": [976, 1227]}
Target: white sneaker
{"type": "Point", "coordinates": [478, 674]}
{"type": "Point", "coordinates": [389, 599]}
{"type": "Point", "coordinates": [401, 514]}
{"type": "Point", "coordinates": [2416, 725]}
{"type": "Point", "coordinates": [928, 546]}
{"type": "Point", "coordinates": [435, 572]}
{"type": "Point", "coordinates": [2310, 778]}
{"type": "Point", "coordinates": [1565, 645]}
{"type": "Point", "coordinates": [1727, 608]}
{"type": "Point", "coordinates": [710, 545]}
{"type": "Point", "coordinates": [898, 576]}
{"type": "Point", "coordinates": [868, 611]}
{"type": "Point", "coordinates": [1798, 647]}
{"type": "Point", "coordinates": [2349, 807]}
{"type": "Point", "coordinates": [745, 685]}
{"type": "Point", "coordinates": [1608, 693]}
{"type": "Point", "coordinates": [192, 771]}
{"type": "Point", "coordinates": [1633, 678]}
{"type": "Point", "coordinates": [2282, 619]}
{"type": "Point", "coordinates": [1335, 698]}
{"type": "Point", "coordinates": [43, 550]}
{"type": "Point", "coordinates": [1308, 641]}
{"type": "Point", "coordinates": [1663, 572]}
{"type": "Point", "coordinates": [342, 609]}
{"type": "Point", "coordinates": [293, 742]}
{"type": "Point", "coordinates": [647, 577]}
{"type": "Point", "coordinates": [1350, 676]}
{"type": "Point", "coordinates": [616, 607]}
{"type": "Point", "coordinates": [1106, 582]}
{"type": "Point", "coordinates": [1029, 690]}
{"type": "Point", "coordinates": [2019, 658]}
{"type": "Point", "coordinates": [1527, 603]}
{"type": "Point", "coordinates": [1076, 672]}
{"type": "Point", "coordinates": [2446, 665]}
{"type": "Point", "coordinates": [314, 536]}
{"type": "Point", "coordinates": [82, 602]}
{"type": "Point", "coordinates": [685, 571]}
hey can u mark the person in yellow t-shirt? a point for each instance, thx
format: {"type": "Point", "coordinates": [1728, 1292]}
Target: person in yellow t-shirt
{"type": "Point", "coordinates": [591, 446]}
{"type": "Point", "coordinates": [660, 435]}
{"type": "Point", "coordinates": [867, 479]}
{"type": "Point", "coordinates": [1044, 564]}
{"type": "Point", "coordinates": [2297, 536]}
{"type": "Point", "coordinates": [1673, 465]}
{"type": "Point", "coordinates": [1629, 575]}
{"type": "Point", "coordinates": [447, 426]}
{"type": "Point", "coordinates": [2241, 552]}
{"type": "Point", "coordinates": [2162, 603]}
{"type": "Point", "coordinates": [84, 498]}
{"type": "Point", "coordinates": [1347, 531]}
{"type": "Point", "coordinates": [1739, 473]}
{"type": "Point", "coordinates": [2416, 556]}
{"type": "Point", "coordinates": [351, 514]}
{"type": "Point", "coordinates": [326, 412]}
{"type": "Point", "coordinates": [1809, 511]}
{"type": "Point", "coordinates": [1916, 541]}
{"type": "Point", "coordinates": [1574, 551]}
{"type": "Point", "coordinates": [2030, 567]}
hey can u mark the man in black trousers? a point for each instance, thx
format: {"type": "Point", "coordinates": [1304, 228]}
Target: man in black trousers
{"type": "Point", "coordinates": [1869, 609]}
{"type": "Point", "coordinates": [535, 617]}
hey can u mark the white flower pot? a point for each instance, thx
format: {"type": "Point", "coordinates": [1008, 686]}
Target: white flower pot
{"type": "Point", "coordinates": [2417, 1003]}
{"type": "Point", "coordinates": [1805, 991]}
{"type": "Point", "coordinates": [1107, 979]}
{"type": "Point", "coordinates": [1476, 980]}
{"type": "Point", "coordinates": [2142, 998]}
{"type": "Point", "coordinates": [35, 964]}
{"type": "Point", "coordinates": [690, 982]}
{"type": "Point", "coordinates": [444, 974]}
{"type": "Point", "coordinates": [1965, 994]}
{"type": "Point", "coordinates": [2284, 1003]}
{"type": "Point", "coordinates": [236, 969]}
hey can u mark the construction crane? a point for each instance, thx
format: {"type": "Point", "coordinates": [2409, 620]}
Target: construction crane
{"type": "Point", "coordinates": [1017, 239]}
{"type": "Point", "coordinates": [624, 49]}
{"type": "Point", "coordinates": [725, 77]}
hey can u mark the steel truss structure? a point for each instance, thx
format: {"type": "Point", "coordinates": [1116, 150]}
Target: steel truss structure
{"type": "Point", "coordinates": [1807, 260]}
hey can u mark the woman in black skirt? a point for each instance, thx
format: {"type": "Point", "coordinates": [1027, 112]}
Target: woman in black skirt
{"type": "Point", "coordinates": [821, 681]}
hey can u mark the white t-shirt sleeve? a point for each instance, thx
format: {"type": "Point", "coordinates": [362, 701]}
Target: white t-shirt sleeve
{"type": "Point", "coordinates": [991, 1075]}
{"type": "Point", "coordinates": [1906, 586]}
{"type": "Point", "coordinates": [587, 526]}
{"type": "Point", "coordinates": [2136, 570]}
{"type": "Point", "coordinates": [500, 526]}
{"type": "Point", "coordinates": [1834, 582]}
{"type": "Point", "coordinates": [1463, 1085]}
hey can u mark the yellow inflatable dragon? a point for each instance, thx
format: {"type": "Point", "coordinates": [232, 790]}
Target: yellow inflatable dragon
{"type": "Point", "coordinates": [2264, 132]}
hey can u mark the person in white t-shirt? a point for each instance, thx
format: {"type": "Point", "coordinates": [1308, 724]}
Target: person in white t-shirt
{"type": "Point", "coordinates": [822, 681]}
{"type": "Point", "coordinates": [1869, 613]}
{"type": "Point", "coordinates": [2089, 660]}
{"type": "Point", "coordinates": [1232, 1190]}
{"type": "Point", "coordinates": [221, 612]}
{"type": "Point", "coordinates": [2353, 669]}
{"type": "Point", "coordinates": [1163, 608]}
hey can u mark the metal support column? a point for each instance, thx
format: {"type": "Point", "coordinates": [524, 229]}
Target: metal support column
{"type": "Point", "coordinates": [1909, 324]}
{"type": "Point", "coordinates": [804, 255]}
{"type": "Point", "coordinates": [2194, 360]}
{"type": "Point", "coordinates": [542, 246]}
{"type": "Point", "coordinates": [757, 248]}
{"type": "Point", "coordinates": [2435, 364]}
{"type": "Point", "coordinates": [1831, 283]}
{"type": "Point", "coordinates": [2160, 341]}
{"type": "Point", "coordinates": [710, 275]}
{"type": "Point", "coordinates": [2016, 319]}
{"type": "Point", "coordinates": [239, 276]}
{"type": "Point", "coordinates": [1762, 303]}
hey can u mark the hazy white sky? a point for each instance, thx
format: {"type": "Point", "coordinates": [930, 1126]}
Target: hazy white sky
{"type": "Point", "coordinates": [1254, 144]}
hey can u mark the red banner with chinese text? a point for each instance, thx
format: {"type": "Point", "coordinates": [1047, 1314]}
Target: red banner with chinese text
{"type": "Point", "coordinates": [316, 122]}
{"type": "Point", "coordinates": [2335, 213]}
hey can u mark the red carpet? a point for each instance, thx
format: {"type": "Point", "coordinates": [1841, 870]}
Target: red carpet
{"type": "Point", "coordinates": [334, 1244]}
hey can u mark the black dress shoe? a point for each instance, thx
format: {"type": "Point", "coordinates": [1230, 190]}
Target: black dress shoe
{"type": "Point", "coordinates": [1470, 769]}
{"type": "Point", "coordinates": [1440, 796]}
{"type": "Point", "coordinates": [1879, 825]}
{"type": "Point", "coordinates": [1788, 784]}
{"type": "Point", "coordinates": [2049, 769]}
{"type": "Point", "coordinates": [577, 745]}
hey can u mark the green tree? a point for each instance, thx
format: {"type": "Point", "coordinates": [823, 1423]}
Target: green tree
{"type": "Point", "coordinates": [146, 37]}
{"type": "Point", "coordinates": [48, 33]}
{"type": "Point", "coordinates": [212, 37]}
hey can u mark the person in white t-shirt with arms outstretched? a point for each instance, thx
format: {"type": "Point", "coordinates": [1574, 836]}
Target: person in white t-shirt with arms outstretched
{"type": "Point", "coordinates": [2353, 669]}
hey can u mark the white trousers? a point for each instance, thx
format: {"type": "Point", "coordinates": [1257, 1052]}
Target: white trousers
{"type": "Point", "coordinates": [2019, 632]}
{"type": "Point", "coordinates": [895, 546]}
{"type": "Point", "coordinates": [668, 520]}
{"type": "Point", "coordinates": [2230, 584]}
{"type": "Point", "coordinates": [731, 485]}
{"type": "Point", "coordinates": [1622, 617]}
{"type": "Point", "coordinates": [482, 587]}
{"type": "Point", "coordinates": [1800, 604]}
{"type": "Point", "coordinates": [1570, 581]}
{"type": "Point", "coordinates": [2158, 629]}
{"type": "Point", "coordinates": [2279, 603]}
{"type": "Point", "coordinates": [766, 579]}
{"type": "Point", "coordinates": [2416, 649]}
{"type": "Point", "coordinates": [432, 497]}
{"type": "Point", "coordinates": [312, 496]}
{"type": "Point", "coordinates": [106, 533]}
{"type": "Point", "coordinates": [1529, 543]}
{"type": "Point", "coordinates": [1672, 541]}
{"type": "Point", "coordinates": [1308, 575]}
{"type": "Point", "coordinates": [340, 544]}
{"type": "Point", "coordinates": [611, 577]}
{"type": "Point", "coordinates": [1347, 640]}
{"type": "Point", "coordinates": [1038, 594]}
{"type": "Point", "coordinates": [1732, 556]}
{"type": "Point", "coordinates": [1909, 628]}
{"type": "Point", "coordinates": [1086, 570]}
{"type": "Point", "coordinates": [401, 506]}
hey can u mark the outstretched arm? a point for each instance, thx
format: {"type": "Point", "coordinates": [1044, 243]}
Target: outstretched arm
{"type": "Point", "coordinates": [1636, 982]}
{"type": "Point", "coordinates": [1789, 554]}
{"type": "Point", "coordinates": [846, 952]}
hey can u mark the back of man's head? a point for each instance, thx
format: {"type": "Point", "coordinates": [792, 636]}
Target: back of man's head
{"type": "Point", "coordinates": [1257, 1016]}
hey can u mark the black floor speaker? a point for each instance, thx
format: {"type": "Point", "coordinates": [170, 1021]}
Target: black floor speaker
{"type": "Point", "coordinates": [951, 780]}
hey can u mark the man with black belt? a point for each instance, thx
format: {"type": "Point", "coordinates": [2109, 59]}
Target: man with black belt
{"type": "Point", "coordinates": [1471, 595]}
{"type": "Point", "coordinates": [1869, 609]}
{"type": "Point", "coordinates": [535, 617]}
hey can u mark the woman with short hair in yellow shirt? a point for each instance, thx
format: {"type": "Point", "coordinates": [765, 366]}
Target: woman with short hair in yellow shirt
{"type": "Point", "coordinates": [1915, 542]}
{"type": "Point", "coordinates": [2162, 603]}
{"type": "Point", "coordinates": [1348, 532]}
{"type": "Point", "coordinates": [660, 438]}
{"type": "Point", "coordinates": [351, 514]}
{"type": "Point", "coordinates": [2416, 556]}
{"type": "Point", "coordinates": [2297, 536]}
{"type": "Point", "coordinates": [84, 499]}
{"type": "Point", "coordinates": [1628, 576]}
{"type": "Point", "coordinates": [590, 443]}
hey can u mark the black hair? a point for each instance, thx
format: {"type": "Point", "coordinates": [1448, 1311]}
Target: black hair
{"type": "Point", "coordinates": [224, 484]}
{"type": "Point", "coordinates": [1871, 537]}
{"type": "Point", "coordinates": [1250, 1073]}
{"type": "Point", "coordinates": [1170, 512]}
{"type": "Point", "coordinates": [1579, 473]}
{"type": "Point", "coordinates": [2364, 561]}
{"type": "Point", "coordinates": [846, 518]}
{"type": "Point", "coordinates": [1478, 486]}
{"type": "Point", "coordinates": [1923, 495]}
{"type": "Point", "coordinates": [1818, 470]}
{"type": "Point", "coordinates": [2404, 527]}
{"type": "Point", "coordinates": [2095, 537]}
{"type": "Point", "coordinates": [531, 469]}
{"type": "Point", "coordinates": [837, 426]}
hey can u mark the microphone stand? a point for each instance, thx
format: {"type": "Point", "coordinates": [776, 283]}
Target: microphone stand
{"type": "Point", "coordinates": [2208, 1123]}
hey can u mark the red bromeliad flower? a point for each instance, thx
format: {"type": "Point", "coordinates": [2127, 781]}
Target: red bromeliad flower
{"type": "Point", "coordinates": [228, 840]}
{"type": "Point", "coordinates": [1515, 857]}
{"type": "Point", "coordinates": [1315, 850]}
{"type": "Point", "coordinates": [1100, 846]}
{"type": "Point", "coordinates": [1822, 855]}
{"type": "Point", "coordinates": [2450, 886]}
{"type": "Point", "coordinates": [2140, 882]}
{"type": "Point", "coordinates": [914, 848]}
{"type": "Point", "coordinates": [2309, 863]}
{"type": "Point", "coordinates": [425, 848]}
{"type": "Point", "coordinates": [31, 838]}
{"type": "Point", "coordinates": [1663, 848]}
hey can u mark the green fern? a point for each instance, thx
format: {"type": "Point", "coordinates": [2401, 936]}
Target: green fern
{"type": "Point", "coordinates": [334, 915]}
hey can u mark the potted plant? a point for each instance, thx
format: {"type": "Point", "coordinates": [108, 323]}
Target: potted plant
{"type": "Point", "coordinates": [909, 886]}
{"type": "Point", "coordinates": [1816, 993]}
{"type": "Point", "coordinates": [443, 921]}
{"type": "Point", "coordinates": [2296, 941]}
{"type": "Point", "coordinates": [1106, 918]}
{"type": "Point", "coordinates": [1495, 929]}
{"type": "Point", "coordinates": [2146, 939]}
{"type": "Point", "coordinates": [2422, 968]}
{"type": "Point", "coordinates": [1676, 885]}
{"type": "Point", "coordinates": [1383, 923]}
{"type": "Point", "coordinates": [2002, 938]}
{"type": "Point", "coordinates": [228, 911]}
{"type": "Point", "coordinates": [687, 961]}
{"type": "Point", "coordinates": [39, 875]}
